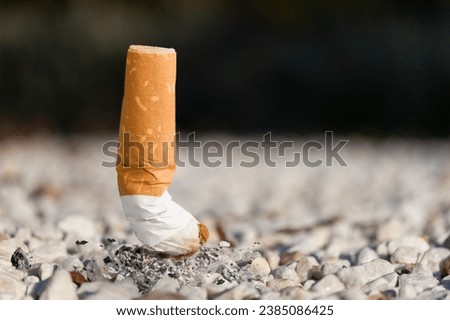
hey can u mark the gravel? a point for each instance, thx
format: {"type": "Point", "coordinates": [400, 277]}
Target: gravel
{"type": "Point", "coordinates": [377, 229]}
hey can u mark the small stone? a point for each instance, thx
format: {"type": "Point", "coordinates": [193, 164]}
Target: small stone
{"type": "Point", "coordinates": [420, 278]}
{"type": "Point", "coordinates": [420, 244]}
{"type": "Point", "coordinates": [445, 267]}
{"type": "Point", "coordinates": [286, 272]}
{"type": "Point", "coordinates": [51, 251]}
{"type": "Point", "coordinates": [366, 254]}
{"type": "Point", "coordinates": [381, 284]}
{"type": "Point", "coordinates": [294, 293]}
{"type": "Point", "coordinates": [289, 257]}
{"type": "Point", "coordinates": [273, 259]}
{"type": "Point", "coordinates": [332, 268]}
{"type": "Point", "coordinates": [244, 291]}
{"type": "Point", "coordinates": [270, 295]}
{"type": "Point", "coordinates": [8, 247]}
{"type": "Point", "coordinates": [407, 291]}
{"type": "Point", "coordinates": [72, 264]}
{"type": "Point", "coordinates": [10, 287]}
{"type": "Point", "coordinates": [315, 273]}
{"type": "Point", "coordinates": [406, 255]}
{"type": "Point", "coordinates": [23, 234]}
{"type": "Point", "coordinates": [32, 286]}
{"type": "Point", "coordinates": [303, 269]}
{"type": "Point", "coordinates": [194, 293]}
{"type": "Point", "coordinates": [308, 284]}
{"type": "Point", "coordinates": [48, 231]}
{"type": "Point", "coordinates": [260, 266]}
{"type": "Point", "coordinates": [391, 229]}
{"type": "Point", "coordinates": [60, 287]}
{"type": "Point", "coordinates": [352, 294]}
{"type": "Point", "coordinates": [358, 276]}
{"type": "Point", "coordinates": [328, 285]}
{"type": "Point", "coordinates": [279, 284]}
{"type": "Point", "coordinates": [432, 258]}
{"type": "Point", "coordinates": [167, 285]}
{"type": "Point", "coordinates": [46, 270]}
{"type": "Point", "coordinates": [79, 226]}
{"type": "Point", "coordinates": [382, 250]}
{"type": "Point", "coordinates": [224, 244]}
{"type": "Point", "coordinates": [437, 293]}
{"type": "Point", "coordinates": [77, 278]}
{"type": "Point", "coordinates": [90, 288]}
{"type": "Point", "coordinates": [309, 242]}
{"type": "Point", "coordinates": [102, 290]}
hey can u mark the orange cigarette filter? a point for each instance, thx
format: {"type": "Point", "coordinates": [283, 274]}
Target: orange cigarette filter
{"type": "Point", "coordinates": [146, 161]}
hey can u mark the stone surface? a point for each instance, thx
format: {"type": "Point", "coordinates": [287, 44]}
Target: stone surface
{"type": "Point", "coordinates": [279, 284]}
{"type": "Point", "coordinates": [107, 291]}
{"type": "Point", "coordinates": [7, 247]}
{"type": "Point", "coordinates": [406, 255]}
{"type": "Point", "coordinates": [420, 278]}
{"type": "Point", "coordinates": [381, 284]}
{"type": "Point", "coordinates": [260, 266]}
{"type": "Point", "coordinates": [46, 270]}
{"type": "Point", "coordinates": [332, 268]}
{"type": "Point", "coordinates": [11, 287]}
{"type": "Point", "coordinates": [194, 293]}
{"type": "Point", "coordinates": [366, 254]}
{"type": "Point", "coordinates": [51, 251]}
{"type": "Point", "coordinates": [286, 272]}
{"type": "Point", "coordinates": [358, 276]}
{"type": "Point", "coordinates": [79, 226]}
{"type": "Point", "coordinates": [292, 238]}
{"type": "Point", "coordinates": [432, 258]}
{"type": "Point", "coordinates": [328, 285]}
{"type": "Point", "coordinates": [60, 287]}
{"type": "Point", "coordinates": [303, 269]}
{"type": "Point", "coordinates": [244, 291]}
{"type": "Point", "coordinates": [418, 243]}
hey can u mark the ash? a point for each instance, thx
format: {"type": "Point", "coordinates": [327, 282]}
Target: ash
{"type": "Point", "coordinates": [147, 268]}
{"type": "Point", "coordinates": [21, 260]}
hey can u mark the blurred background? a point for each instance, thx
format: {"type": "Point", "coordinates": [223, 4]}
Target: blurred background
{"type": "Point", "coordinates": [374, 68]}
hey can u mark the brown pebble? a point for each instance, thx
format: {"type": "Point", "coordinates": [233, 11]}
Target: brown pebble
{"type": "Point", "coordinates": [445, 267]}
{"type": "Point", "coordinates": [203, 233]}
{"type": "Point", "coordinates": [290, 257]}
{"type": "Point", "coordinates": [77, 278]}
{"type": "Point", "coordinates": [315, 273]}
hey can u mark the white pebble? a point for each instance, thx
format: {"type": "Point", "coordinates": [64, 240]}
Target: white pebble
{"type": "Point", "coordinates": [51, 251]}
{"type": "Point", "coordinates": [406, 255]}
{"type": "Point", "coordinates": [366, 254]}
{"type": "Point", "coordinates": [328, 285]}
{"type": "Point", "coordinates": [79, 226]}
{"type": "Point", "coordinates": [10, 287]}
{"type": "Point", "coordinates": [279, 284]}
{"type": "Point", "coordinates": [46, 270]}
{"type": "Point", "coordinates": [420, 278]}
{"type": "Point", "coordinates": [60, 287]}
{"type": "Point", "coordinates": [413, 242]}
{"type": "Point", "coordinates": [260, 266]}
{"type": "Point", "coordinates": [286, 272]}
{"type": "Point", "coordinates": [358, 276]}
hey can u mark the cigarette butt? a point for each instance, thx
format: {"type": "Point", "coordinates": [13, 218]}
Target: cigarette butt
{"type": "Point", "coordinates": [146, 155]}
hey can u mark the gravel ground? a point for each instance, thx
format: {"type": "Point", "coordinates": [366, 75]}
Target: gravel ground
{"type": "Point", "coordinates": [377, 229]}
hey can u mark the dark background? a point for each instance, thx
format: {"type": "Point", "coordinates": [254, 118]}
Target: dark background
{"type": "Point", "coordinates": [369, 67]}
